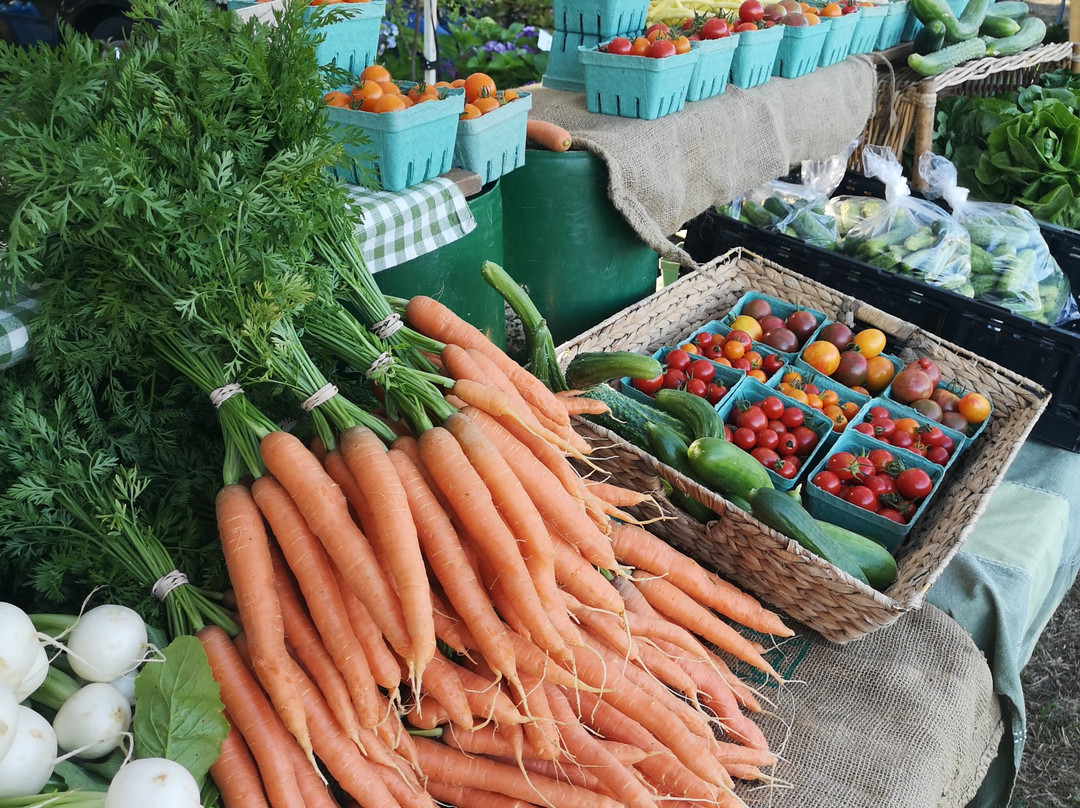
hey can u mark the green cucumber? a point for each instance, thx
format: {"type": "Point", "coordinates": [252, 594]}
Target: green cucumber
{"type": "Point", "coordinates": [929, 38]}
{"type": "Point", "coordinates": [877, 563]}
{"type": "Point", "coordinates": [784, 515]}
{"type": "Point", "coordinates": [999, 27]}
{"type": "Point", "coordinates": [628, 417]}
{"type": "Point", "coordinates": [670, 449]}
{"type": "Point", "coordinates": [700, 417]}
{"type": "Point", "coordinates": [1031, 33]}
{"type": "Point", "coordinates": [725, 468]}
{"type": "Point", "coordinates": [1016, 9]}
{"type": "Point", "coordinates": [950, 56]}
{"type": "Point", "coordinates": [957, 29]}
{"type": "Point", "coordinates": [591, 368]}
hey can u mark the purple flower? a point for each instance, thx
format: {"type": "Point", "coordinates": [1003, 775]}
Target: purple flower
{"type": "Point", "coordinates": [527, 31]}
{"type": "Point", "coordinates": [495, 46]}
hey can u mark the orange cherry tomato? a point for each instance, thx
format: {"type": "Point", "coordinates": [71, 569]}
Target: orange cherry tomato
{"type": "Point", "coordinates": [640, 46]}
{"type": "Point", "coordinates": [975, 407]}
{"type": "Point", "coordinates": [870, 342]}
{"type": "Point", "coordinates": [822, 356]}
{"type": "Point", "coordinates": [748, 324]}
{"type": "Point", "coordinates": [879, 372]}
{"type": "Point", "coordinates": [375, 73]}
{"type": "Point", "coordinates": [336, 98]}
{"type": "Point", "coordinates": [478, 85]}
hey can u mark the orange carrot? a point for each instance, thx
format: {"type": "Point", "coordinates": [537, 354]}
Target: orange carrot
{"type": "Point", "coordinates": [447, 765]}
{"type": "Point", "coordinates": [570, 772]}
{"type": "Point", "coordinates": [488, 700]}
{"type": "Point", "coordinates": [615, 494]}
{"type": "Point", "coordinates": [585, 751]}
{"type": "Point", "coordinates": [437, 321]}
{"type": "Point", "coordinates": [716, 694]}
{"type": "Point", "coordinates": [549, 135]}
{"type": "Point", "coordinates": [555, 423]}
{"type": "Point", "coordinates": [640, 548]}
{"type": "Point", "coordinates": [410, 794]}
{"type": "Point", "coordinates": [463, 486]}
{"type": "Point", "coordinates": [258, 722]}
{"type": "Point", "coordinates": [631, 692]}
{"type": "Point", "coordinates": [496, 403]}
{"type": "Point", "coordinates": [246, 548]}
{"type": "Point", "coordinates": [578, 404]}
{"type": "Point", "coordinates": [464, 797]}
{"type": "Point", "coordinates": [559, 508]}
{"type": "Point", "coordinates": [326, 511]}
{"type": "Point", "coordinates": [235, 773]}
{"type": "Point", "coordinates": [683, 610]}
{"type": "Point", "coordinates": [381, 660]}
{"type": "Point", "coordinates": [308, 649]}
{"type": "Point", "coordinates": [443, 684]}
{"type": "Point", "coordinates": [366, 456]}
{"type": "Point", "coordinates": [448, 626]}
{"type": "Point", "coordinates": [450, 564]}
{"type": "Point", "coordinates": [460, 364]}
{"type": "Point", "coordinates": [426, 713]}
{"type": "Point", "coordinates": [540, 731]}
{"type": "Point", "coordinates": [343, 759]}
{"type": "Point", "coordinates": [582, 580]}
{"type": "Point", "coordinates": [308, 562]}
{"type": "Point", "coordinates": [659, 764]}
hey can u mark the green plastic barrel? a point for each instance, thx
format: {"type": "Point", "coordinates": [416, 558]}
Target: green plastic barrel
{"type": "Point", "coordinates": [565, 242]}
{"type": "Point", "coordinates": [451, 274]}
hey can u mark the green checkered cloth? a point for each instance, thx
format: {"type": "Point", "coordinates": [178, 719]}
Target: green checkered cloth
{"type": "Point", "coordinates": [14, 332]}
{"type": "Point", "coordinates": [399, 225]}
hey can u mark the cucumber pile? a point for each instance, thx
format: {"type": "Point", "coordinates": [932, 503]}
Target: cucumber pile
{"type": "Point", "coordinates": [984, 28]}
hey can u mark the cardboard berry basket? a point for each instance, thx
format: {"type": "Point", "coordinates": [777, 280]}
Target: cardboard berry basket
{"type": "Point", "coordinates": [759, 559]}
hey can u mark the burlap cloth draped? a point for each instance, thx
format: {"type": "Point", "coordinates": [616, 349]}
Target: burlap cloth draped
{"type": "Point", "coordinates": [664, 172]}
{"type": "Point", "coordinates": [905, 717]}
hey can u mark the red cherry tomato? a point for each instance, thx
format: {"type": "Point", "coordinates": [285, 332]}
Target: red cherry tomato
{"type": "Point", "coordinates": [674, 379]}
{"type": "Point", "coordinates": [620, 45]}
{"type": "Point", "coordinates": [792, 417]}
{"type": "Point", "coordinates": [704, 339]}
{"type": "Point", "coordinates": [881, 458]}
{"type": "Point", "coordinates": [883, 428]}
{"type": "Point", "coordinates": [715, 28]}
{"type": "Point", "coordinates": [861, 497]}
{"type": "Point", "coordinates": [715, 392]}
{"type": "Point", "coordinates": [752, 417]}
{"type": "Point", "coordinates": [865, 428]}
{"type": "Point", "coordinates": [879, 411]}
{"type": "Point", "coordinates": [766, 457]}
{"type": "Point", "coordinates": [788, 468]}
{"type": "Point", "coordinates": [696, 387]}
{"type": "Point", "coordinates": [902, 440]}
{"type": "Point", "coordinates": [777, 426]}
{"type": "Point", "coordinates": [701, 369]}
{"type": "Point", "coordinates": [827, 481]}
{"type": "Point", "coordinates": [678, 359]}
{"type": "Point", "coordinates": [892, 515]}
{"type": "Point", "coordinates": [807, 439]}
{"type": "Point", "coordinates": [772, 406]}
{"type": "Point", "coordinates": [913, 484]}
{"type": "Point", "coordinates": [787, 444]}
{"type": "Point", "coordinates": [751, 11]}
{"type": "Point", "coordinates": [768, 438]}
{"type": "Point", "coordinates": [937, 454]}
{"type": "Point", "coordinates": [661, 49]}
{"type": "Point", "coordinates": [841, 464]}
{"type": "Point", "coordinates": [771, 363]}
{"type": "Point", "coordinates": [648, 386]}
{"type": "Point", "coordinates": [745, 438]}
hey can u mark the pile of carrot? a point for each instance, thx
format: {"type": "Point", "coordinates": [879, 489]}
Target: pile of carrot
{"type": "Point", "coordinates": [462, 616]}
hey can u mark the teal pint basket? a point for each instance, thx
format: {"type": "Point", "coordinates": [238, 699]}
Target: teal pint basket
{"type": "Point", "coordinates": [751, 391]}
{"type": "Point", "coordinates": [837, 43]}
{"type": "Point", "coordinates": [800, 49]}
{"type": "Point", "coordinates": [409, 145]}
{"type": "Point", "coordinates": [728, 377]}
{"type": "Point", "coordinates": [823, 382]}
{"type": "Point", "coordinates": [833, 509]}
{"type": "Point", "coordinates": [350, 43]}
{"type": "Point", "coordinates": [494, 143]}
{"type": "Point", "coordinates": [600, 18]}
{"type": "Point", "coordinates": [636, 86]}
{"type": "Point", "coordinates": [713, 69]}
{"type": "Point", "coordinates": [865, 37]}
{"type": "Point", "coordinates": [892, 27]}
{"type": "Point", "coordinates": [564, 68]}
{"type": "Point", "coordinates": [752, 63]}
{"type": "Point", "coordinates": [723, 329]}
{"type": "Point", "coordinates": [898, 410]}
{"type": "Point", "coordinates": [781, 308]}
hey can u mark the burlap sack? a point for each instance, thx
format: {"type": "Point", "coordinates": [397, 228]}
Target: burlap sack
{"type": "Point", "coordinates": [905, 717]}
{"type": "Point", "coordinates": [664, 172]}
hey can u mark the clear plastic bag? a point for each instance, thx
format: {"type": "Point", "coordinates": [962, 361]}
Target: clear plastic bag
{"type": "Point", "coordinates": [796, 209]}
{"type": "Point", "coordinates": [910, 236]}
{"type": "Point", "coordinates": [1011, 264]}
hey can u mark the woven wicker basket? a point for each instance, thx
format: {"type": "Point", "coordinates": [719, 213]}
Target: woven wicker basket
{"type": "Point", "coordinates": [752, 555]}
{"type": "Point", "coordinates": [907, 101]}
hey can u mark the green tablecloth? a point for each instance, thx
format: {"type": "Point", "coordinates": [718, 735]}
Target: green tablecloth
{"type": "Point", "coordinates": [1007, 580]}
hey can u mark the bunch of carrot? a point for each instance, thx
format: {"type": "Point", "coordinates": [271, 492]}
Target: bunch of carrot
{"type": "Point", "coordinates": [461, 616]}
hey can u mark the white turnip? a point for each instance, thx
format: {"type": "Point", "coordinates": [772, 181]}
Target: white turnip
{"type": "Point", "coordinates": [107, 642]}
{"type": "Point", "coordinates": [157, 782]}
{"type": "Point", "coordinates": [18, 645]}
{"type": "Point", "coordinates": [92, 722]}
{"type": "Point", "coordinates": [29, 762]}
{"type": "Point", "coordinates": [35, 675]}
{"type": "Point", "coordinates": [9, 718]}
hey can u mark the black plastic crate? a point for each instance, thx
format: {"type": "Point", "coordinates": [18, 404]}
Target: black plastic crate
{"type": "Point", "coordinates": [1048, 355]}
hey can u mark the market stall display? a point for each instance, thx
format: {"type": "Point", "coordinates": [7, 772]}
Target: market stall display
{"type": "Point", "coordinates": [834, 604]}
